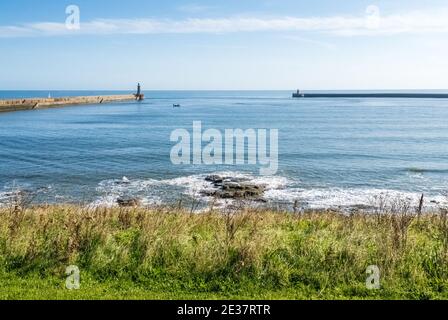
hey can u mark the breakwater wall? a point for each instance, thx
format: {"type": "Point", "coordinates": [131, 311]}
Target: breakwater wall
{"type": "Point", "coordinates": [372, 95]}
{"type": "Point", "coordinates": [9, 105]}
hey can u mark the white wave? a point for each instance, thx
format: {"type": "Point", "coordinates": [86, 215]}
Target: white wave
{"type": "Point", "coordinates": [192, 185]}
{"type": "Point", "coordinates": [335, 198]}
{"type": "Point", "coordinates": [12, 195]}
{"type": "Point", "coordinates": [4, 198]}
{"type": "Point", "coordinates": [110, 201]}
{"type": "Point", "coordinates": [124, 184]}
{"type": "Point", "coordinates": [196, 184]}
{"type": "Point", "coordinates": [104, 201]}
{"type": "Point", "coordinates": [150, 191]}
{"type": "Point", "coordinates": [114, 189]}
{"type": "Point", "coordinates": [278, 190]}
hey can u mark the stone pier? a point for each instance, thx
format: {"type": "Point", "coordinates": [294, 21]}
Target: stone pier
{"type": "Point", "coordinates": [41, 103]}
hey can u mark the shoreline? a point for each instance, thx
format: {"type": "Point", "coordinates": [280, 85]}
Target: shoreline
{"type": "Point", "coordinates": [11, 105]}
{"type": "Point", "coordinates": [204, 190]}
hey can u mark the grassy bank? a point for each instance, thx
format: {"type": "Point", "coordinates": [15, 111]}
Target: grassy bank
{"type": "Point", "coordinates": [167, 254]}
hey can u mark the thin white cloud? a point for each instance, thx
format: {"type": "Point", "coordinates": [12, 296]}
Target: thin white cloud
{"type": "Point", "coordinates": [323, 44]}
{"type": "Point", "coordinates": [410, 23]}
{"type": "Point", "coordinates": [194, 8]}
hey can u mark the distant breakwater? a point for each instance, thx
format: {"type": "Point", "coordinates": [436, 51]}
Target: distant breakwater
{"type": "Point", "coordinates": [372, 95]}
{"type": "Point", "coordinates": [10, 105]}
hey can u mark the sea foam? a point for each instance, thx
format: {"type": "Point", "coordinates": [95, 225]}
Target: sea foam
{"type": "Point", "coordinates": [278, 190]}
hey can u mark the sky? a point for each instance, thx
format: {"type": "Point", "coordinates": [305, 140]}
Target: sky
{"type": "Point", "coordinates": [223, 45]}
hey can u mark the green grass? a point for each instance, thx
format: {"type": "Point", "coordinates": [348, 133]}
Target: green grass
{"type": "Point", "coordinates": [252, 254]}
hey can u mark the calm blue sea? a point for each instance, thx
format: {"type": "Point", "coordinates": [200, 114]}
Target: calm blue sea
{"type": "Point", "coordinates": [332, 152]}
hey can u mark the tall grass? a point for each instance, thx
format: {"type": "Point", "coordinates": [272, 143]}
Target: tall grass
{"type": "Point", "coordinates": [313, 254]}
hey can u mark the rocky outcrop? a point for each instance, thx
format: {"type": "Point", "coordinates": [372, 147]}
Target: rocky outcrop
{"type": "Point", "coordinates": [234, 188]}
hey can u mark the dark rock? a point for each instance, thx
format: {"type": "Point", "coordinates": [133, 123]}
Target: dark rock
{"type": "Point", "coordinates": [233, 188]}
{"type": "Point", "coordinates": [208, 193]}
{"type": "Point", "coordinates": [128, 202]}
{"type": "Point", "coordinates": [214, 179]}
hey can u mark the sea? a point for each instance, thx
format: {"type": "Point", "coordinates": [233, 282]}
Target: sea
{"type": "Point", "coordinates": [342, 153]}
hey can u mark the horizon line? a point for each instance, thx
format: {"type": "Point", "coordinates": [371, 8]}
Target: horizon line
{"type": "Point", "coordinates": [154, 90]}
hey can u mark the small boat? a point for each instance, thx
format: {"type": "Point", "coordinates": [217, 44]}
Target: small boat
{"type": "Point", "coordinates": [176, 105]}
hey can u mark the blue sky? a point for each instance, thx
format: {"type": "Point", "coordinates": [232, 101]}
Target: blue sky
{"type": "Point", "coordinates": [244, 44]}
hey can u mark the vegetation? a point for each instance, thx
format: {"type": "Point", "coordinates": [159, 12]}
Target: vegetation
{"type": "Point", "coordinates": [166, 253]}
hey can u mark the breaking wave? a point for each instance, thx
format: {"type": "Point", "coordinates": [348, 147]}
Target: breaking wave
{"type": "Point", "coordinates": [156, 192]}
{"type": "Point", "coordinates": [337, 198]}
{"type": "Point", "coordinates": [279, 190]}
